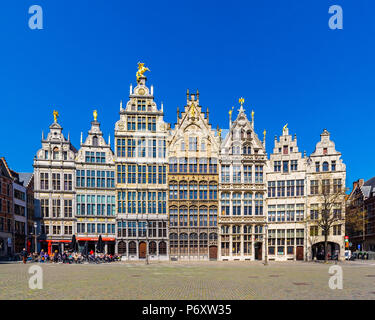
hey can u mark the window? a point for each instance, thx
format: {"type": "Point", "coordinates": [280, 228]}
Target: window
{"type": "Point", "coordinates": [203, 165]}
{"type": "Point", "coordinates": [285, 166]}
{"type": "Point", "coordinates": [258, 204]}
{"type": "Point", "coordinates": [326, 186]}
{"type": "Point", "coordinates": [225, 204]}
{"type": "Point", "coordinates": [258, 174]}
{"type": "Point", "coordinates": [325, 166]}
{"type": "Point", "coordinates": [333, 165]}
{"type": "Point", "coordinates": [299, 187]}
{"type": "Point", "coordinates": [193, 190]}
{"type": "Point", "coordinates": [314, 187]}
{"type": "Point", "coordinates": [225, 173]}
{"type": "Point", "coordinates": [281, 188]}
{"type": "Point", "coordinates": [248, 211]}
{"type": "Point", "coordinates": [271, 189]}
{"type": "Point", "coordinates": [285, 149]}
{"type": "Point", "coordinates": [44, 185]}
{"type": "Point", "coordinates": [172, 165]}
{"type": "Point", "coordinates": [162, 248]}
{"type": "Point", "coordinates": [193, 143]}
{"type": "Point", "coordinates": [132, 248]}
{"type": "Point", "coordinates": [56, 181]}
{"type": "Point", "coordinates": [203, 190]}
{"type": "Point", "coordinates": [314, 231]}
{"type": "Point", "coordinates": [277, 166]}
{"type": "Point", "coordinates": [337, 185]}
{"type": "Point", "coordinates": [325, 150]}
{"type": "Point", "coordinates": [236, 207]}
{"type": "Point", "coordinates": [293, 165]}
{"type": "Point", "coordinates": [67, 182]}
{"type": "Point", "coordinates": [56, 208]}
{"type": "Point", "coordinates": [290, 188]}
{"type": "Point", "coordinates": [337, 230]}
{"type": "Point", "coordinates": [44, 205]}
{"type": "Point", "coordinates": [67, 208]}
{"type": "Point", "coordinates": [314, 212]}
{"type": "Point", "coordinates": [193, 165]}
{"type": "Point", "coordinates": [247, 173]}
{"type": "Point", "coordinates": [213, 165]}
{"type": "Point", "coordinates": [213, 216]}
{"type": "Point", "coordinates": [317, 166]}
{"type": "Point", "coordinates": [236, 174]}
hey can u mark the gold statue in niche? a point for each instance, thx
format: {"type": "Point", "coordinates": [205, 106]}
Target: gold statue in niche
{"type": "Point", "coordinates": [141, 70]}
{"type": "Point", "coordinates": [192, 111]}
{"type": "Point", "coordinates": [55, 115]}
{"type": "Point", "coordinates": [95, 114]}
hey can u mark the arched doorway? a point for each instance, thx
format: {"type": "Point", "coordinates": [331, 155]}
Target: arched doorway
{"type": "Point", "coordinates": [317, 250]}
{"type": "Point", "coordinates": [258, 251]}
{"type": "Point", "coordinates": [122, 248]}
{"type": "Point", "coordinates": [142, 250]}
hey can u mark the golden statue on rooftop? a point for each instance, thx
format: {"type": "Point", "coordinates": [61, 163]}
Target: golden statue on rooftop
{"type": "Point", "coordinates": [230, 114]}
{"type": "Point", "coordinates": [55, 115]}
{"type": "Point", "coordinates": [141, 70]}
{"type": "Point", "coordinates": [285, 127]}
{"type": "Point", "coordinates": [95, 114]}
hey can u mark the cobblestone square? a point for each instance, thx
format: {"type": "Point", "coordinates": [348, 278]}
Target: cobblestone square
{"type": "Point", "coordinates": [188, 280]}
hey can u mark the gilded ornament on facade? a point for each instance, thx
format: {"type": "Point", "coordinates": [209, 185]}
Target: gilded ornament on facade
{"type": "Point", "coordinates": [285, 127]}
{"type": "Point", "coordinates": [55, 115]}
{"type": "Point", "coordinates": [141, 70]}
{"type": "Point", "coordinates": [241, 101]}
{"type": "Point", "coordinates": [95, 114]}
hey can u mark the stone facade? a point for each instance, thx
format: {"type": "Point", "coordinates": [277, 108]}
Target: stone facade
{"type": "Point", "coordinates": [54, 189]}
{"type": "Point", "coordinates": [141, 171]}
{"type": "Point", "coordinates": [242, 192]}
{"type": "Point", "coordinates": [95, 191]}
{"type": "Point", "coordinates": [193, 179]}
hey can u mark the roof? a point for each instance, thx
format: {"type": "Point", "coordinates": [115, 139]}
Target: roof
{"type": "Point", "coordinates": [368, 187]}
{"type": "Point", "coordinates": [25, 178]}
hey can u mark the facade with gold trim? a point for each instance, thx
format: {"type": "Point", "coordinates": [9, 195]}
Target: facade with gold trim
{"type": "Point", "coordinates": [141, 176]}
{"type": "Point", "coordinates": [95, 191]}
{"type": "Point", "coordinates": [54, 175]}
{"type": "Point", "coordinates": [242, 213]}
{"type": "Point", "coordinates": [193, 179]}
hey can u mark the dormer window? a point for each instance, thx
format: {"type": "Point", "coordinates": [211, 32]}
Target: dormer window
{"type": "Point", "coordinates": [246, 150]}
{"type": "Point", "coordinates": [325, 150]}
{"type": "Point", "coordinates": [141, 105]}
{"type": "Point", "coordinates": [285, 149]}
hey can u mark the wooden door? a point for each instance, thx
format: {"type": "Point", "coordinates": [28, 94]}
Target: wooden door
{"type": "Point", "coordinates": [258, 251]}
{"type": "Point", "coordinates": [142, 250]}
{"type": "Point", "coordinates": [213, 252]}
{"type": "Point", "coordinates": [299, 253]}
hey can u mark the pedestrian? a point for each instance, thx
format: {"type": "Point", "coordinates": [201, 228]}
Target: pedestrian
{"type": "Point", "coordinates": [24, 255]}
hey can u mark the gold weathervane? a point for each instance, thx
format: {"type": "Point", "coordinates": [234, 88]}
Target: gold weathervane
{"type": "Point", "coordinates": [285, 127]}
{"type": "Point", "coordinates": [141, 70]}
{"type": "Point", "coordinates": [241, 101]}
{"type": "Point", "coordinates": [55, 115]}
{"type": "Point", "coordinates": [95, 114]}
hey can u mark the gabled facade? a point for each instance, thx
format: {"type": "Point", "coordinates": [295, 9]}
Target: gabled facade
{"type": "Point", "coordinates": [6, 210]}
{"type": "Point", "coordinates": [361, 200]}
{"type": "Point", "coordinates": [286, 200]}
{"type": "Point", "coordinates": [242, 190]}
{"type": "Point", "coordinates": [141, 177]}
{"type": "Point", "coordinates": [54, 176]}
{"type": "Point", "coordinates": [95, 191]}
{"type": "Point", "coordinates": [325, 170]}
{"type": "Point", "coordinates": [193, 179]}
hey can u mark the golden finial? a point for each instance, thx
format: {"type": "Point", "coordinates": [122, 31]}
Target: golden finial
{"type": "Point", "coordinates": [219, 131]}
{"type": "Point", "coordinates": [141, 70]}
{"type": "Point", "coordinates": [241, 101]}
{"type": "Point", "coordinates": [285, 127]}
{"type": "Point", "coordinates": [264, 134]}
{"type": "Point", "coordinates": [252, 116]}
{"type": "Point", "coordinates": [55, 115]}
{"type": "Point", "coordinates": [230, 114]}
{"type": "Point", "coordinates": [95, 114]}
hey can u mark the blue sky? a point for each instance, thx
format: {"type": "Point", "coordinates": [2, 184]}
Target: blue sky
{"type": "Point", "coordinates": [280, 56]}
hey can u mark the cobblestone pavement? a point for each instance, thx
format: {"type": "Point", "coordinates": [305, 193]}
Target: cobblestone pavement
{"type": "Point", "coordinates": [189, 280]}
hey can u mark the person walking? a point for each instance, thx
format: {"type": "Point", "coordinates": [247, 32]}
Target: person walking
{"type": "Point", "coordinates": [24, 255]}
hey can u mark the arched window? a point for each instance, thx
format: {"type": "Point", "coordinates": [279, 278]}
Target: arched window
{"type": "Point", "coordinates": [325, 166]}
{"type": "Point", "coordinates": [193, 239]}
{"type": "Point", "coordinates": [213, 191]}
{"type": "Point", "coordinates": [213, 236]}
{"type": "Point", "coordinates": [132, 247]}
{"type": "Point", "coordinates": [56, 153]}
{"type": "Point", "coordinates": [173, 216]}
{"type": "Point", "coordinates": [183, 190]}
{"type": "Point", "coordinates": [193, 216]}
{"type": "Point", "coordinates": [183, 243]}
{"type": "Point", "coordinates": [203, 240]}
{"type": "Point", "coordinates": [173, 242]}
{"type": "Point", "coordinates": [152, 247]}
{"type": "Point", "coordinates": [95, 141]}
{"type": "Point", "coordinates": [193, 190]}
{"type": "Point", "coordinates": [122, 247]}
{"type": "Point", "coordinates": [203, 216]}
{"type": "Point", "coordinates": [162, 248]}
{"type": "Point", "coordinates": [203, 190]}
{"type": "Point", "coordinates": [225, 229]}
{"type": "Point", "coordinates": [183, 216]}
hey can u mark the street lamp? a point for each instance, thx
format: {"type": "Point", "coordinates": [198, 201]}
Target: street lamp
{"type": "Point", "coordinates": [35, 242]}
{"type": "Point", "coordinates": [265, 245]}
